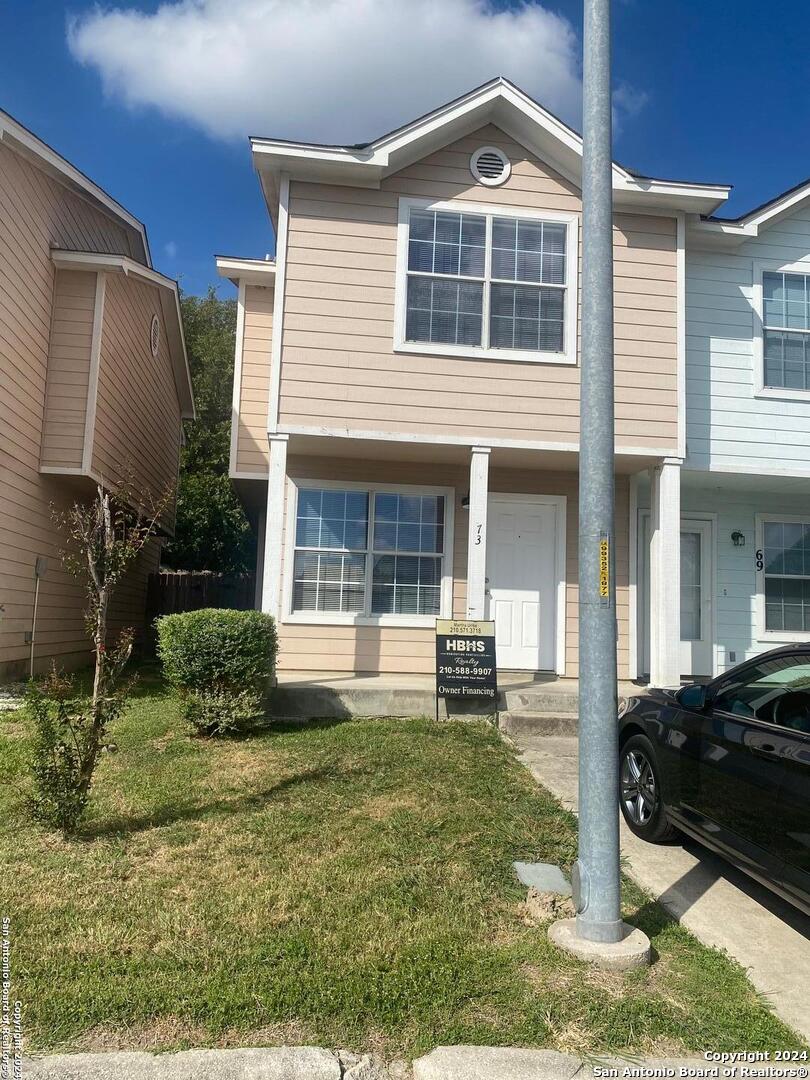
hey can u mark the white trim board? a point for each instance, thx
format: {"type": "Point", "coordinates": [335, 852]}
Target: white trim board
{"type": "Point", "coordinates": [560, 504]}
{"type": "Point", "coordinates": [236, 397]}
{"type": "Point", "coordinates": [92, 377]}
{"type": "Point", "coordinates": [473, 352]}
{"type": "Point", "coordinates": [314, 618]}
{"type": "Point", "coordinates": [655, 452]}
{"type": "Point", "coordinates": [278, 306]}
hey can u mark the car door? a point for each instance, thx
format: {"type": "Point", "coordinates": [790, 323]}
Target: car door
{"type": "Point", "coordinates": [792, 836]}
{"type": "Point", "coordinates": [743, 758]}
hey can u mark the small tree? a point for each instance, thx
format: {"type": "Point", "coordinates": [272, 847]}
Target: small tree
{"type": "Point", "coordinates": [105, 536]}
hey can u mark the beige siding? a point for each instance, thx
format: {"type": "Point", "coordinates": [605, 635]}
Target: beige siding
{"type": "Point", "coordinates": [252, 454]}
{"type": "Point", "coordinates": [36, 214]}
{"type": "Point", "coordinates": [412, 649]}
{"type": "Point", "coordinates": [137, 425]}
{"type": "Point", "coordinates": [338, 366]}
{"type": "Point", "coordinates": [68, 369]}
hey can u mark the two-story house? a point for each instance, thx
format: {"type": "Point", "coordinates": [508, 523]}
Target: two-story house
{"type": "Point", "coordinates": [745, 500]}
{"type": "Point", "coordinates": [406, 399]}
{"type": "Point", "coordinates": [94, 384]}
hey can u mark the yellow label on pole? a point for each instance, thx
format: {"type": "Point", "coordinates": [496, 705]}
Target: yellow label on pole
{"type": "Point", "coordinates": [604, 568]}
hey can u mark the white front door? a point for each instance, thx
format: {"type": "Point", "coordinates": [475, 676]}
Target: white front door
{"type": "Point", "coordinates": [697, 588]}
{"type": "Point", "coordinates": [523, 578]}
{"type": "Point", "coordinates": [696, 597]}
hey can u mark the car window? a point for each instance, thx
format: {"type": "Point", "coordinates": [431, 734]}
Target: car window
{"type": "Point", "coordinates": [776, 691]}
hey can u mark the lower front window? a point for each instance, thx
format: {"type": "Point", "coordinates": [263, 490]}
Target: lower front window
{"type": "Point", "coordinates": [372, 552]}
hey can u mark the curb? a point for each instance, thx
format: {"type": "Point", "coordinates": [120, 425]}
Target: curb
{"type": "Point", "coordinates": [316, 1063]}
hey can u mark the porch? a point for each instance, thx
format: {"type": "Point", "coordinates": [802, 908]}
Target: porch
{"type": "Point", "coordinates": [365, 542]}
{"type": "Point", "coordinates": [528, 702]}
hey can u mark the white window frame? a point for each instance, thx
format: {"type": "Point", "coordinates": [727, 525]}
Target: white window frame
{"type": "Point", "coordinates": [349, 618]}
{"type": "Point", "coordinates": [761, 633]}
{"type": "Point", "coordinates": [760, 389]}
{"type": "Point", "coordinates": [473, 352]}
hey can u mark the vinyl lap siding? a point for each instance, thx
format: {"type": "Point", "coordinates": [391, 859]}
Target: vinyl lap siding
{"type": "Point", "coordinates": [68, 369]}
{"type": "Point", "coordinates": [137, 422]}
{"type": "Point", "coordinates": [317, 647]}
{"type": "Point", "coordinates": [727, 426]}
{"type": "Point", "coordinates": [338, 367]}
{"type": "Point", "coordinates": [252, 451]}
{"type": "Point", "coordinates": [36, 213]}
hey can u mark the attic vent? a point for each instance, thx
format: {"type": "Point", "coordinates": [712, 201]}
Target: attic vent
{"type": "Point", "coordinates": [154, 335]}
{"type": "Point", "coordinates": [490, 166]}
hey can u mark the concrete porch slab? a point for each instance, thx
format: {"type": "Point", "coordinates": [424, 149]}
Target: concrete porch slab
{"type": "Point", "coordinates": [310, 694]}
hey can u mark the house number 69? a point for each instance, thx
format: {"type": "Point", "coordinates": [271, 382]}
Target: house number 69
{"type": "Point", "coordinates": [760, 562]}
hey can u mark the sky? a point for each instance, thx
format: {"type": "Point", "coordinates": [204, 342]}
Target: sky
{"type": "Point", "coordinates": [155, 101]}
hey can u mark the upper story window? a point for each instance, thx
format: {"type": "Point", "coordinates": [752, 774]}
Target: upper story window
{"type": "Point", "coordinates": [786, 330]}
{"type": "Point", "coordinates": [492, 284]}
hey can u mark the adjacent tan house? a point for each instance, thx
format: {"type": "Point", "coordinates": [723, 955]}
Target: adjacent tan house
{"type": "Point", "coordinates": [94, 384]}
{"type": "Point", "coordinates": [406, 401]}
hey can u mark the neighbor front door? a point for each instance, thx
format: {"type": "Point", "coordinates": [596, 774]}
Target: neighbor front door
{"type": "Point", "coordinates": [522, 580]}
{"type": "Point", "coordinates": [696, 598]}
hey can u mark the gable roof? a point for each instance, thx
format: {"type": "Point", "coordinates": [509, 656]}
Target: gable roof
{"type": "Point", "coordinates": [25, 142]}
{"type": "Point", "coordinates": [498, 101]}
{"type": "Point", "coordinates": [730, 231]}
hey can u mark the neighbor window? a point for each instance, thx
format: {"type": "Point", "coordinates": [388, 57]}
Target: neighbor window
{"type": "Point", "coordinates": [786, 569]}
{"type": "Point", "coordinates": [374, 552]}
{"type": "Point", "coordinates": [786, 330]}
{"type": "Point", "coordinates": [484, 281]}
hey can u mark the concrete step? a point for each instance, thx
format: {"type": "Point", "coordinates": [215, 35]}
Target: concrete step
{"type": "Point", "coordinates": [539, 699]}
{"type": "Point", "coordinates": [538, 723]}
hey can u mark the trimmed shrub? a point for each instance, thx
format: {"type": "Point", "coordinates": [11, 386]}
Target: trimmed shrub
{"type": "Point", "coordinates": [220, 662]}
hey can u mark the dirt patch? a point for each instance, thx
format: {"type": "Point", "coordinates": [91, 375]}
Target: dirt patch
{"type": "Point", "coordinates": [543, 907]}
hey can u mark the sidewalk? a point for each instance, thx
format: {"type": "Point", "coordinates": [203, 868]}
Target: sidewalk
{"type": "Point", "coordinates": [720, 905]}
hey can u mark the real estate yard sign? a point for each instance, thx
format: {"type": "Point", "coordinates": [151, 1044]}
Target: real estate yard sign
{"type": "Point", "coordinates": [465, 659]}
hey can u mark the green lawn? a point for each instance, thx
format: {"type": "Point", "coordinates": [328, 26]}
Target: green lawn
{"type": "Point", "coordinates": [346, 884]}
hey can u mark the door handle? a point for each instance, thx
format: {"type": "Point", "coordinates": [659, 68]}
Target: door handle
{"type": "Point", "coordinates": [764, 749]}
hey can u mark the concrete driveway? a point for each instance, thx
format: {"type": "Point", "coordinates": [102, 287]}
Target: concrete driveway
{"type": "Point", "coordinates": [721, 906]}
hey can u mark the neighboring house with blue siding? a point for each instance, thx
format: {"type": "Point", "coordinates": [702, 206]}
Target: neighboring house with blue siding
{"type": "Point", "coordinates": [744, 554]}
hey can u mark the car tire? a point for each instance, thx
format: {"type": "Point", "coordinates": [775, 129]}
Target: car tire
{"type": "Point", "coordinates": [640, 796]}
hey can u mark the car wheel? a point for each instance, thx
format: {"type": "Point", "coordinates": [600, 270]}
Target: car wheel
{"type": "Point", "coordinates": [640, 791]}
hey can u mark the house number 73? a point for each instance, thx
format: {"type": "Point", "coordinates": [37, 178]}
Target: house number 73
{"type": "Point", "coordinates": [479, 528]}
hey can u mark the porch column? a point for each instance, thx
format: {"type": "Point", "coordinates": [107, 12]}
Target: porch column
{"type": "Point", "coordinates": [665, 573]}
{"type": "Point", "coordinates": [477, 537]}
{"type": "Point", "coordinates": [274, 526]}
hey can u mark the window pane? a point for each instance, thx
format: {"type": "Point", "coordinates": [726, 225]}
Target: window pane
{"type": "Point", "coordinates": [329, 582]}
{"type": "Point", "coordinates": [787, 359]}
{"type": "Point", "coordinates": [786, 557]}
{"type": "Point", "coordinates": [406, 585]}
{"type": "Point", "coordinates": [690, 586]}
{"type": "Point", "coordinates": [409, 523]}
{"type": "Point", "coordinates": [528, 250]}
{"type": "Point", "coordinates": [332, 519]}
{"type": "Point", "coordinates": [443, 311]}
{"type": "Point", "coordinates": [526, 317]}
{"type": "Point", "coordinates": [785, 300]}
{"type": "Point", "coordinates": [440, 242]}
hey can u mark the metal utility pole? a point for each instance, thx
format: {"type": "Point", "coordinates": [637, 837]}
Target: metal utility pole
{"type": "Point", "coordinates": [596, 875]}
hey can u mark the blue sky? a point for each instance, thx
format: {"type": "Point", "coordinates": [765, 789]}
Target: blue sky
{"type": "Point", "coordinates": [156, 105]}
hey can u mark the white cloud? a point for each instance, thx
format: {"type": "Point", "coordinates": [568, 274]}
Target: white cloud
{"type": "Point", "coordinates": [324, 70]}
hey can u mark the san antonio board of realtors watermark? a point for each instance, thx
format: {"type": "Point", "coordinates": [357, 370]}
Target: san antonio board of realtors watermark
{"type": "Point", "coordinates": [10, 1013]}
{"type": "Point", "coordinates": [720, 1065]}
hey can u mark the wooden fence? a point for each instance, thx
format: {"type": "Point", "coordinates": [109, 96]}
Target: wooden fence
{"type": "Point", "coordinates": [171, 591]}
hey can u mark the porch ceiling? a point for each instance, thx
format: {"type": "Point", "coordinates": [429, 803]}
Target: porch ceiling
{"type": "Point", "coordinates": [505, 457]}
